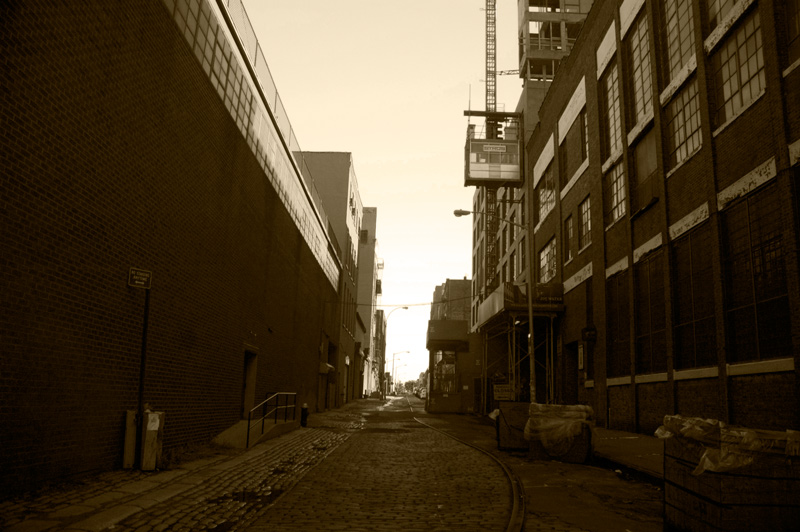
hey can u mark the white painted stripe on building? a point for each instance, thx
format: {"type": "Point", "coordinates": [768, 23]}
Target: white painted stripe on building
{"type": "Point", "coordinates": [647, 247]}
{"type": "Point", "coordinates": [544, 159]}
{"type": "Point", "coordinates": [689, 221]}
{"type": "Point", "coordinates": [619, 266]}
{"type": "Point", "coordinates": [754, 179]}
{"type": "Point", "coordinates": [606, 50]}
{"type": "Point", "coordinates": [576, 102]}
{"type": "Point", "coordinates": [696, 373]}
{"type": "Point", "coordinates": [679, 80]}
{"type": "Point", "coordinates": [762, 366]}
{"type": "Point", "coordinates": [628, 11]}
{"type": "Point", "coordinates": [618, 381]}
{"type": "Point", "coordinates": [578, 278]}
{"type": "Point", "coordinates": [726, 24]}
{"type": "Point", "coordinates": [575, 177]}
{"type": "Point", "coordinates": [651, 377]}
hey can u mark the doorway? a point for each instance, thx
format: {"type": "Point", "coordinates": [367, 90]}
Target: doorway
{"type": "Point", "coordinates": [249, 382]}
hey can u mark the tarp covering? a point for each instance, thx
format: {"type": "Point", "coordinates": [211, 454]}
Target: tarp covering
{"type": "Point", "coordinates": [557, 425]}
{"type": "Point", "coordinates": [727, 447]}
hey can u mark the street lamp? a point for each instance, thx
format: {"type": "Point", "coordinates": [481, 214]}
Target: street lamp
{"type": "Point", "coordinates": [385, 384]}
{"type": "Point", "coordinates": [529, 292]}
{"type": "Point", "coordinates": [393, 358]}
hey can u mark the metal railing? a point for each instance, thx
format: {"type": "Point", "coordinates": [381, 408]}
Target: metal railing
{"type": "Point", "coordinates": [271, 409]}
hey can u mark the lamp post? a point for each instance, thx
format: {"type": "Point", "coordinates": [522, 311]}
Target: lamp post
{"type": "Point", "coordinates": [385, 384]}
{"type": "Point", "coordinates": [529, 291]}
{"type": "Point", "coordinates": [393, 359]}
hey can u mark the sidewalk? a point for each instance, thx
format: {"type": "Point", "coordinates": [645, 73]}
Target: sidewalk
{"type": "Point", "coordinates": [639, 453]}
{"type": "Point", "coordinates": [261, 473]}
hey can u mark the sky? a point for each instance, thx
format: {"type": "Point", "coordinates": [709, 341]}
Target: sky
{"type": "Point", "coordinates": [389, 81]}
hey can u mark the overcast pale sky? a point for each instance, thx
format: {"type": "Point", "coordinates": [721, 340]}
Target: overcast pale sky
{"type": "Point", "coordinates": [389, 82]}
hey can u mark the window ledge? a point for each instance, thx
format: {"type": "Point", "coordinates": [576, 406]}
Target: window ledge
{"type": "Point", "coordinates": [777, 365]}
{"type": "Point", "coordinates": [615, 222]}
{"type": "Point", "coordinates": [578, 173]}
{"type": "Point", "coordinates": [695, 373]}
{"type": "Point", "coordinates": [725, 25]}
{"type": "Point", "coordinates": [744, 109]}
{"type": "Point", "coordinates": [639, 129]}
{"type": "Point", "coordinates": [588, 383]}
{"type": "Point", "coordinates": [651, 377]}
{"type": "Point", "coordinates": [584, 248]}
{"type": "Point", "coordinates": [611, 161]}
{"type": "Point", "coordinates": [686, 160]}
{"type": "Point", "coordinates": [569, 261]}
{"type": "Point", "coordinates": [794, 66]}
{"type": "Point", "coordinates": [678, 81]}
{"type": "Point", "coordinates": [618, 381]}
{"type": "Point", "coordinates": [642, 210]}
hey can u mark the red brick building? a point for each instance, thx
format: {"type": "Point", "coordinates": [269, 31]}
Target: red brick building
{"type": "Point", "coordinates": [136, 135]}
{"type": "Point", "coordinates": [664, 172]}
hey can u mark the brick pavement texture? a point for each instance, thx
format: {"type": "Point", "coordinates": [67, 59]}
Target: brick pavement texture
{"type": "Point", "coordinates": [396, 476]}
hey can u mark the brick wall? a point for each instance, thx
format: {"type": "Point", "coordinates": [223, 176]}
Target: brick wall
{"type": "Point", "coordinates": [699, 398]}
{"type": "Point", "coordinates": [763, 401]}
{"type": "Point", "coordinates": [116, 151]}
{"type": "Point", "coordinates": [652, 402]}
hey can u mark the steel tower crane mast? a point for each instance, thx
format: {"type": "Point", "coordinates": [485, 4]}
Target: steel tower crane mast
{"type": "Point", "coordinates": [490, 240]}
{"type": "Point", "coordinates": [493, 161]}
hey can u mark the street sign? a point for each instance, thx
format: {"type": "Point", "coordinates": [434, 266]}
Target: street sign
{"type": "Point", "coordinates": [139, 278]}
{"type": "Point", "coordinates": [503, 392]}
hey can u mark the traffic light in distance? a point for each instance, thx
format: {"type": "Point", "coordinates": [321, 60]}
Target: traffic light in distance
{"type": "Point", "coordinates": [494, 130]}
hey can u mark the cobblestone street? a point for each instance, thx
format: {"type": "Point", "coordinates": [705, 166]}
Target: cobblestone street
{"type": "Point", "coordinates": [396, 474]}
{"type": "Point", "coordinates": [369, 466]}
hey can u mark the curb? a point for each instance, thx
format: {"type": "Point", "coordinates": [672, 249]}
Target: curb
{"type": "Point", "coordinates": [516, 522]}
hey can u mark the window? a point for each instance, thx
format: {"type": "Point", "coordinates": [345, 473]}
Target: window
{"type": "Point", "coordinates": [585, 228]}
{"type": "Point", "coordinates": [614, 194]}
{"type": "Point", "coordinates": [618, 325]}
{"type": "Point", "coordinates": [640, 80]}
{"type": "Point", "coordinates": [645, 159]}
{"type": "Point", "coordinates": [738, 69]}
{"type": "Point", "coordinates": [545, 194]}
{"type": "Point", "coordinates": [683, 124]}
{"type": "Point", "coordinates": [756, 301]}
{"type": "Point", "coordinates": [694, 327]}
{"type": "Point", "coordinates": [649, 314]}
{"type": "Point", "coordinates": [568, 239]}
{"type": "Point", "coordinates": [793, 30]}
{"type": "Point", "coordinates": [679, 35]}
{"type": "Point", "coordinates": [610, 121]}
{"type": "Point", "coordinates": [574, 149]}
{"type": "Point", "coordinates": [364, 236]}
{"type": "Point", "coordinates": [547, 261]}
{"type": "Point", "coordinates": [522, 254]}
{"type": "Point", "coordinates": [717, 9]}
{"type": "Point", "coordinates": [444, 379]}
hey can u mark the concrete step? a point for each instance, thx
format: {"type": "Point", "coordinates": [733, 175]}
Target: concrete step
{"type": "Point", "coordinates": [236, 435]}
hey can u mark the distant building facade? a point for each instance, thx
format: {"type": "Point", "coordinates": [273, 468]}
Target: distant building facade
{"type": "Point", "coordinates": [370, 269]}
{"type": "Point", "coordinates": [334, 173]}
{"type": "Point", "coordinates": [455, 356]}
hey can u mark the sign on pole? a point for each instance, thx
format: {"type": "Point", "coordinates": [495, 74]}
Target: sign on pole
{"type": "Point", "coordinates": [139, 278]}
